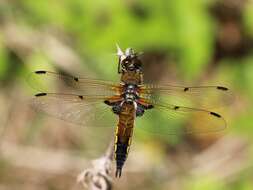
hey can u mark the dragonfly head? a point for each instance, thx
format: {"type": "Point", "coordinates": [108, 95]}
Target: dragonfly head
{"type": "Point", "coordinates": [128, 60]}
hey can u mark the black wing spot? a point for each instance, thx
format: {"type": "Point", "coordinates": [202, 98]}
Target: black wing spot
{"type": "Point", "coordinates": [107, 102]}
{"type": "Point", "coordinates": [40, 94]}
{"type": "Point", "coordinates": [222, 88]}
{"type": "Point", "coordinates": [186, 89]}
{"type": "Point", "coordinates": [150, 106]}
{"type": "Point", "coordinates": [81, 97]}
{"type": "Point", "coordinates": [76, 79]}
{"type": "Point", "coordinates": [215, 114]}
{"type": "Point", "coordinates": [40, 72]}
{"type": "Point", "coordinates": [176, 107]}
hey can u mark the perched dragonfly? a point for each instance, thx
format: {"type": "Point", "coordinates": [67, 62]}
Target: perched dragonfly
{"type": "Point", "coordinates": [102, 103]}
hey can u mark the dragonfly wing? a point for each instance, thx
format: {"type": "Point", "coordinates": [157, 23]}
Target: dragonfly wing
{"type": "Point", "coordinates": [79, 109]}
{"type": "Point", "coordinates": [43, 81]}
{"type": "Point", "coordinates": [205, 97]}
{"type": "Point", "coordinates": [170, 119]}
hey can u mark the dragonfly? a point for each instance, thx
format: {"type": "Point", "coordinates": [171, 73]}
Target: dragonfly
{"type": "Point", "coordinates": [99, 103]}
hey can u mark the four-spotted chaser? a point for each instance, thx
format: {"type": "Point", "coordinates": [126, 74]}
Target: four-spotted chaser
{"type": "Point", "coordinates": [92, 103]}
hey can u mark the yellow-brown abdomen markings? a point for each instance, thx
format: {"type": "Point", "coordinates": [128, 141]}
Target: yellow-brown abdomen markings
{"type": "Point", "coordinates": [123, 133]}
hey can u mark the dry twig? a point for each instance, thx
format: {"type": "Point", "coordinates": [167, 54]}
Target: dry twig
{"type": "Point", "coordinates": [98, 176]}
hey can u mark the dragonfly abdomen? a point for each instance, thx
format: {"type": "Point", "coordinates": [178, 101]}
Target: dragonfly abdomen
{"type": "Point", "coordinates": [123, 135]}
{"type": "Point", "coordinates": [121, 151]}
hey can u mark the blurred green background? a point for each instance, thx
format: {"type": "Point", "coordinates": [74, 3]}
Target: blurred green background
{"type": "Point", "coordinates": [184, 42]}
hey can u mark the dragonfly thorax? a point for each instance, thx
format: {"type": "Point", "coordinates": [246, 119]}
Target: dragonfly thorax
{"type": "Point", "coordinates": [130, 93]}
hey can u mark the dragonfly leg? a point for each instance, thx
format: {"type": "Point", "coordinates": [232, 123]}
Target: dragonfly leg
{"type": "Point", "coordinates": [115, 104]}
{"type": "Point", "coordinates": [140, 110]}
{"type": "Point", "coordinates": [116, 109]}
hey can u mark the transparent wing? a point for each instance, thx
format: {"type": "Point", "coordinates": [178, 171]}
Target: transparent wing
{"type": "Point", "coordinates": [85, 110]}
{"type": "Point", "coordinates": [205, 97]}
{"type": "Point", "coordinates": [44, 81]}
{"type": "Point", "coordinates": [170, 119]}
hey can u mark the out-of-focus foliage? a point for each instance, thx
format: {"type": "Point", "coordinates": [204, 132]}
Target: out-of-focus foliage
{"type": "Point", "coordinates": [3, 60]}
{"type": "Point", "coordinates": [95, 26]}
{"type": "Point", "coordinates": [185, 42]}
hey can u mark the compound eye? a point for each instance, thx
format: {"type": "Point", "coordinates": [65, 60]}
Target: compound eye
{"type": "Point", "coordinates": [137, 63]}
{"type": "Point", "coordinates": [125, 62]}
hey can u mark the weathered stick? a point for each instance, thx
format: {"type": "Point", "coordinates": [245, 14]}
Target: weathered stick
{"type": "Point", "coordinates": [98, 177]}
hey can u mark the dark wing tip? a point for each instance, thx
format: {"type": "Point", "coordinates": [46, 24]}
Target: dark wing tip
{"type": "Point", "coordinates": [118, 173]}
{"type": "Point", "coordinates": [186, 89]}
{"type": "Point", "coordinates": [41, 94]}
{"type": "Point", "coordinates": [215, 114]}
{"type": "Point", "coordinates": [222, 88]}
{"type": "Point", "coordinates": [176, 107]}
{"type": "Point", "coordinates": [40, 72]}
{"type": "Point", "coordinates": [150, 107]}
